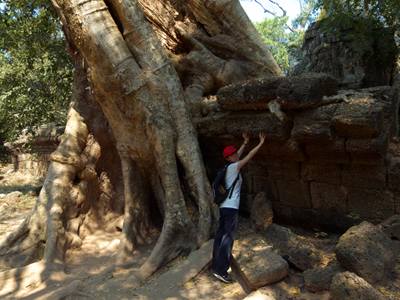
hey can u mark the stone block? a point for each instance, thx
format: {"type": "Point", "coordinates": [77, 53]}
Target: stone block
{"type": "Point", "coordinates": [333, 152]}
{"type": "Point", "coordinates": [283, 170]}
{"type": "Point", "coordinates": [249, 95]}
{"type": "Point", "coordinates": [368, 151]}
{"type": "Point", "coordinates": [235, 123]}
{"type": "Point", "coordinates": [369, 204]}
{"type": "Point", "coordinates": [260, 184]}
{"type": "Point", "coordinates": [321, 172]}
{"type": "Point", "coordinates": [299, 251]}
{"type": "Point", "coordinates": [396, 197]}
{"type": "Point", "coordinates": [261, 214]}
{"type": "Point", "coordinates": [294, 193]}
{"type": "Point", "coordinates": [366, 250]}
{"type": "Point", "coordinates": [360, 117]}
{"type": "Point", "coordinates": [364, 176]}
{"type": "Point", "coordinates": [328, 197]}
{"type": "Point", "coordinates": [288, 150]}
{"type": "Point", "coordinates": [314, 126]}
{"type": "Point", "coordinates": [349, 286]}
{"type": "Point", "coordinates": [257, 263]}
{"type": "Point", "coordinates": [391, 227]}
{"type": "Point", "coordinates": [394, 174]}
{"type": "Point", "coordinates": [305, 90]}
{"type": "Point", "coordinates": [320, 278]}
{"type": "Point", "coordinates": [256, 168]}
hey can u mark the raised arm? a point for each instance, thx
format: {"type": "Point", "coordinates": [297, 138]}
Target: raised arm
{"type": "Point", "coordinates": [253, 152]}
{"type": "Point", "coordinates": [246, 139]}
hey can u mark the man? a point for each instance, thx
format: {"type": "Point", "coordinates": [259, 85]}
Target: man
{"type": "Point", "coordinates": [229, 208]}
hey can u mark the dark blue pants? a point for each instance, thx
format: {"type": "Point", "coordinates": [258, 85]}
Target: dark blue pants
{"type": "Point", "coordinates": [223, 241]}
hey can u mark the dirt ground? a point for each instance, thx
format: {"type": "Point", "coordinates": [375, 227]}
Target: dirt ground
{"type": "Point", "coordinates": [90, 271]}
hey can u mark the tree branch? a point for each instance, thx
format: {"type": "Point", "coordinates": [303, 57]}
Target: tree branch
{"type": "Point", "coordinates": [284, 13]}
{"type": "Point", "coordinates": [265, 10]}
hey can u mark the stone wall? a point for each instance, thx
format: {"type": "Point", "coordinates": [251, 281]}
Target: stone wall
{"type": "Point", "coordinates": [332, 161]}
{"type": "Point", "coordinates": [357, 54]}
{"type": "Point", "coordinates": [331, 158]}
{"type": "Point", "coordinates": [30, 153]}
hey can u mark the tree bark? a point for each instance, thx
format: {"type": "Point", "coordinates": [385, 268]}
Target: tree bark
{"type": "Point", "coordinates": [148, 64]}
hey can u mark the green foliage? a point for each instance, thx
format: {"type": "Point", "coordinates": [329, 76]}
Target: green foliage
{"type": "Point", "coordinates": [35, 71]}
{"type": "Point", "coordinates": [386, 13]}
{"type": "Point", "coordinates": [283, 43]}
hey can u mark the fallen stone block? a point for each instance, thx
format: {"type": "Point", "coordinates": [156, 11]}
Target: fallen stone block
{"type": "Point", "coordinates": [300, 252]}
{"type": "Point", "coordinates": [261, 212]}
{"type": "Point", "coordinates": [305, 90]}
{"type": "Point", "coordinates": [391, 227]}
{"type": "Point", "coordinates": [320, 278]}
{"type": "Point", "coordinates": [257, 264]}
{"type": "Point", "coordinates": [349, 286]}
{"type": "Point", "coordinates": [365, 250]}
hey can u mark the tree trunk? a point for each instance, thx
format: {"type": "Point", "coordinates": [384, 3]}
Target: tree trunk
{"type": "Point", "coordinates": [147, 64]}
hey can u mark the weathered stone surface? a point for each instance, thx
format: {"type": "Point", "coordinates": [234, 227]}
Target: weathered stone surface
{"type": "Point", "coordinates": [258, 264]}
{"type": "Point", "coordinates": [394, 173]}
{"type": "Point", "coordinates": [391, 227]}
{"type": "Point", "coordinates": [259, 184]}
{"type": "Point", "coordinates": [305, 90]}
{"type": "Point", "coordinates": [356, 67]}
{"type": "Point", "coordinates": [360, 117]}
{"type": "Point", "coordinates": [236, 123]}
{"type": "Point", "coordinates": [326, 164]}
{"type": "Point", "coordinates": [30, 152]}
{"type": "Point", "coordinates": [322, 172]}
{"type": "Point", "coordinates": [365, 250]}
{"type": "Point", "coordinates": [300, 252]}
{"type": "Point", "coordinates": [333, 151]}
{"type": "Point", "coordinates": [368, 151]}
{"type": "Point", "coordinates": [261, 212]}
{"type": "Point", "coordinates": [288, 150]}
{"type": "Point", "coordinates": [365, 176]}
{"type": "Point", "coordinates": [279, 169]}
{"type": "Point", "coordinates": [328, 197]}
{"type": "Point", "coordinates": [249, 95]}
{"type": "Point", "coordinates": [314, 125]}
{"type": "Point", "coordinates": [320, 279]}
{"type": "Point", "coordinates": [349, 286]}
{"type": "Point", "coordinates": [294, 193]}
{"type": "Point", "coordinates": [369, 204]}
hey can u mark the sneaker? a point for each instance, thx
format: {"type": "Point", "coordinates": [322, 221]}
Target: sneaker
{"type": "Point", "coordinates": [224, 278]}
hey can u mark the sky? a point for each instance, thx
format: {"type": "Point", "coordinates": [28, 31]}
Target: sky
{"type": "Point", "coordinates": [256, 13]}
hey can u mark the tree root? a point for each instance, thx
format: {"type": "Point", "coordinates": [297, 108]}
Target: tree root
{"type": "Point", "coordinates": [171, 243]}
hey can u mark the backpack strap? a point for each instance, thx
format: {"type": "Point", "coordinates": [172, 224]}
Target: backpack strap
{"type": "Point", "coordinates": [232, 187]}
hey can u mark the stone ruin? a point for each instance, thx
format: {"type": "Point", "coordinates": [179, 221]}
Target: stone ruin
{"type": "Point", "coordinates": [30, 153]}
{"type": "Point", "coordinates": [331, 157]}
{"type": "Point", "coordinates": [355, 58]}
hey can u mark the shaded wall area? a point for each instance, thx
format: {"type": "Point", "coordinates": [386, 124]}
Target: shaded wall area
{"type": "Point", "coordinates": [331, 161]}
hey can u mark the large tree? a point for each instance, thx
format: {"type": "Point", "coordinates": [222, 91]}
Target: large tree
{"type": "Point", "coordinates": [141, 71]}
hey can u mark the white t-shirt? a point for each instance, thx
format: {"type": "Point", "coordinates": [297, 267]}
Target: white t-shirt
{"type": "Point", "coordinates": [230, 176]}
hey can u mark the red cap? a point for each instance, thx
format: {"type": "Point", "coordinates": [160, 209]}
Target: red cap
{"type": "Point", "coordinates": [229, 150]}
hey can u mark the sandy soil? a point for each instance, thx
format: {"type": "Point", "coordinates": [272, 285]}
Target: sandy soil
{"type": "Point", "coordinates": [90, 271]}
